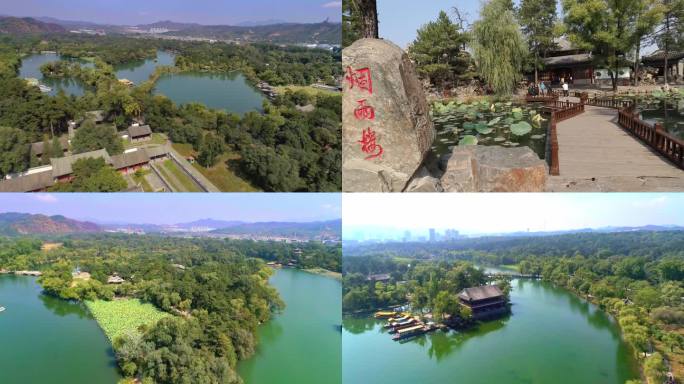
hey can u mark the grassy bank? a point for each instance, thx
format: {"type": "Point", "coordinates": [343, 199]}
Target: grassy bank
{"type": "Point", "coordinates": [119, 317]}
{"type": "Point", "coordinates": [221, 175]}
{"type": "Point", "coordinates": [325, 272]}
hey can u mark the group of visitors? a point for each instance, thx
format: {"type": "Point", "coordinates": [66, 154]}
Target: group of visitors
{"type": "Point", "coordinates": [540, 89]}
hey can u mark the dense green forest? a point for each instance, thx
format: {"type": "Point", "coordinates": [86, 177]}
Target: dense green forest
{"type": "Point", "coordinates": [281, 149]}
{"type": "Point", "coordinates": [217, 291]}
{"type": "Point", "coordinates": [638, 277]}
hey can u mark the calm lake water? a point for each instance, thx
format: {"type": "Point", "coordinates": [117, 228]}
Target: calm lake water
{"type": "Point", "coordinates": [303, 344]}
{"type": "Point", "coordinates": [140, 71]}
{"type": "Point", "coordinates": [47, 340]}
{"type": "Point", "coordinates": [30, 68]}
{"type": "Point", "coordinates": [551, 337]}
{"type": "Point", "coordinates": [230, 92]}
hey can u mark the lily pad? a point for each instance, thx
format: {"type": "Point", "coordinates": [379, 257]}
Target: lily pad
{"type": "Point", "coordinates": [521, 128]}
{"type": "Point", "coordinates": [483, 129]}
{"type": "Point", "coordinates": [494, 121]}
{"type": "Point", "coordinates": [468, 140]}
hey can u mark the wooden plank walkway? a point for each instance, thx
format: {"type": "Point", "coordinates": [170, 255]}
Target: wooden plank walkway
{"type": "Point", "coordinates": [596, 154]}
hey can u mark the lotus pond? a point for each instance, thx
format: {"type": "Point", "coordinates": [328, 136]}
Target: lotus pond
{"type": "Point", "coordinates": [484, 122]}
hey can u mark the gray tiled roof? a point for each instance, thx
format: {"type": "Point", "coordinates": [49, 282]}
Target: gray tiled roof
{"type": "Point", "coordinates": [579, 58]}
{"type": "Point", "coordinates": [130, 159]}
{"type": "Point", "coordinates": [480, 293]}
{"type": "Point", "coordinates": [61, 166]}
{"type": "Point", "coordinates": [28, 183]}
{"type": "Point", "coordinates": [139, 130]}
{"type": "Point", "coordinates": [37, 148]}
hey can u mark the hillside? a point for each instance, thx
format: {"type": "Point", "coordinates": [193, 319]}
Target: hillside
{"type": "Point", "coordinates": [287, 33]}
{"type": "Point", "coordinates": [27, 25]}
{"type": "Point", "coordinates": [26, 224]}
{"type": "Point", "coordinates": [313, 230]}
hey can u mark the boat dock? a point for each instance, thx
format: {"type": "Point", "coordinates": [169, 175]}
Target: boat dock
{"type": "Point", "coordinates": [403, 326]}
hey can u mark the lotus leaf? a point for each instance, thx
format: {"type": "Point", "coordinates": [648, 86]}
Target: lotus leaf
{"type": "Point", "coordinates": [468, 140]}
{"type": "Point", "coordinates": [517, 115]}
{"type": "Point", "coordinates": [494, 120]}
{"type": "Point", "coordinates": [521, 128]}
{"type": "Point", "coordinates": [483, 129]}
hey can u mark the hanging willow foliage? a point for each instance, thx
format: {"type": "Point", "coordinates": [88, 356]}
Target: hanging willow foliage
{"type": "Point", "coordinates": [500, 47]}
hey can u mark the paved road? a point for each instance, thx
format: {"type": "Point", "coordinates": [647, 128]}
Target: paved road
{"type": "Point", "coordinates": [596, 154]}
{"type": "Point", "coordinates": [199, 177]}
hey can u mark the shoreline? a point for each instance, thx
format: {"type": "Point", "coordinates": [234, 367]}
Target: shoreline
{"type": "Point", "coordinates": [324, 272]}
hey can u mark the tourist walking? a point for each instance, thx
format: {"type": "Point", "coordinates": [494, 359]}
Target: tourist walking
{"type": "Point", "coordinates": [542, 88]}
{"type": "Point", "coordinates": [566, 90]}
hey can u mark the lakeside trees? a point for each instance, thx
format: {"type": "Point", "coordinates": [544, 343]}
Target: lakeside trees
{"type": "Point", "coordinates": [218, 296]}
{"type": "Point", "coordinates": [538, 20]}
{"type": "Point", "coordinates": [303, 147]}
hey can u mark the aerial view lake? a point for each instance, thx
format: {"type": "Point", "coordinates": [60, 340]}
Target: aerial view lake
{"type": "Point", "coordinates": [140, 71]}
{"type": "Point", "coordinates": [30, 68]}
{"type": "Point", "coordinates": [303, 344]}
{"type": "Point", "coordinates": [48, 340]}
{"type": "Point", "coordinates": [230, 92]}
{"type": "Point", "coordinates": [551, 337]}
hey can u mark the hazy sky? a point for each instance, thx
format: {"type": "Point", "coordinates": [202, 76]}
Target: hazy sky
{"type": "Point", "coordinates": [171, 208]}
{"type": "Point", "coordinates": [510, 212]}
{"type": "Point", "coordinates": [131, 12]}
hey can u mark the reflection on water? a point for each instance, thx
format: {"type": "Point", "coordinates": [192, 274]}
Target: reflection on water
{"type": "Point", "coordinates": [30, 68]}
{"type": "Point", "coordinates": [549, 334]}
{"type": "Point", "coordinates": [669, 113]}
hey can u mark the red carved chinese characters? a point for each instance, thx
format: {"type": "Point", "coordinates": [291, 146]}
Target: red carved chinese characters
{"type": "Point", "coordinates": [368, 144]}
{"type": "Point", "coordinates": [363, 111]}
{"type": "Point", "coordinates": [360, 78]}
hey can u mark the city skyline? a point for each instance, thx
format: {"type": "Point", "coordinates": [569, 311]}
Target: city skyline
{"type": "Point", "coordinates": [176, 208]}
{"type": "Point", "coordinates": [207, 12]}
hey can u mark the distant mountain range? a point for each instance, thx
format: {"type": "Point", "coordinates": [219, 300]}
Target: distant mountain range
{"type": "Point", "coordinates": [24, 224]}
{"type": "Point", "coordinates": [330, 228]}
{"type": "Point", "coordinates": [321, 33]}
{"type": "Point", "coordinates": [274, 31]}
{"type": "Point", "coordinates": [27, 25]}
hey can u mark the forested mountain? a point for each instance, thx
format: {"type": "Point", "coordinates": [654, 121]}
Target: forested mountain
{"type": "Point", "coordinates": [23, 223]}
{"type": "Point", "coordinates": [27, 25]}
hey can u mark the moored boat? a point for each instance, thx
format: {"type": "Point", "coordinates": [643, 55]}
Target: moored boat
{"type": "Point", "coordinates": [2, 309]}
{"type": "Point", "coordinates": [384, 314]}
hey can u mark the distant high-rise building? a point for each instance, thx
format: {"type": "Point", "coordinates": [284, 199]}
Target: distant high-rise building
{"type": "Point", "coordinates": [433, 235]}
{"type": "Point", "coordinates": [407, 236]}
{"type": "Point", "coordinates": [451, 234]}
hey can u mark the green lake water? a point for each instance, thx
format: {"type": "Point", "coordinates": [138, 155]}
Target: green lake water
{"type": "Point", "coordinates": [229, 92]}
{"type": "Point", "coordinates": [302, 345]}
{"type": "Point", "coordinates": [669, 113]}
{"type": "Point", "coordinates": [30, 68]}
{"type": "Point", "coordinates": [140, 71]}
{"type": "Point", "coordinates": [551, 337]}
{"type": "Point", "coordinates": [47, 340]}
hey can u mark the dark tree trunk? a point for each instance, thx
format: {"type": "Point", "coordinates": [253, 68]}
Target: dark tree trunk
{"type": "Point", "coordinates": [636, 63]}
{"type": "Point", "coordinates": [667, 40]}
{"type": "Point", "coordinates": [368, 11]}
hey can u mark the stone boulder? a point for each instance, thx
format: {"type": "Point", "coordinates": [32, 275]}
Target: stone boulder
{"type": "Point", "coordinates": [477, 168]}
{"type": "Point", "coordinates": [401, 126]}
{"type": "Point", "coordinates": [423, 181]}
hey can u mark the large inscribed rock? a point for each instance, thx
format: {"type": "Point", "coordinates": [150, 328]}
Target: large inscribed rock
{"type": "Point", "coordinates": [386, 125]}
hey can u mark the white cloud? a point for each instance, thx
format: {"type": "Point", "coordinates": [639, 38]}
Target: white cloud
{"type": "Point", "coordinates": [332, 4]}
{"type": "Point", "coordinates": [46, 198]}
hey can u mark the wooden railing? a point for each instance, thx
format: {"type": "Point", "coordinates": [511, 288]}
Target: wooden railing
{"type": "Point", "coordinates": [607, 102]}
{"type": "Point", "coordinates": [664, 143]}
{"type": "Point", "coordinates": [541, 98]}
{"type": "Point", "coordinates": [560, 110]}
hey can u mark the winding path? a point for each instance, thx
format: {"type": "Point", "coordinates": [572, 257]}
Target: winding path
{"type": "Point", "coordinates": [596, 154]}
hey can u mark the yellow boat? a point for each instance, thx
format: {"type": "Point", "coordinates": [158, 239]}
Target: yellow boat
{"type": "Point", "coordinates": [384, 314]}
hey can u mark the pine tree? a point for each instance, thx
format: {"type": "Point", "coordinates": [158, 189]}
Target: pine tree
{"type": "Point", "coordinates": [437, 51]}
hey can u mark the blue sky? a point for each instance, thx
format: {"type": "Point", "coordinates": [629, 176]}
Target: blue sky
{"type": "Point", "coordinates": [131, 12]}
{"type": "Point", "coordinates": [509, 212]}
{"type": "Point", "coordinates": [171, 208]}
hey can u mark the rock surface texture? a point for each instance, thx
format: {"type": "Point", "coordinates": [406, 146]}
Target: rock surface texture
{"type": "Point", "coordinates": [386, 125]}
{"type": "Point", "coordinates": [476, 168]}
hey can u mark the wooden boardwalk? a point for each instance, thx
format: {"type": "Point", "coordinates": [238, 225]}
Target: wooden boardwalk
{"type": "Point", "coordinates": [596, 154]}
